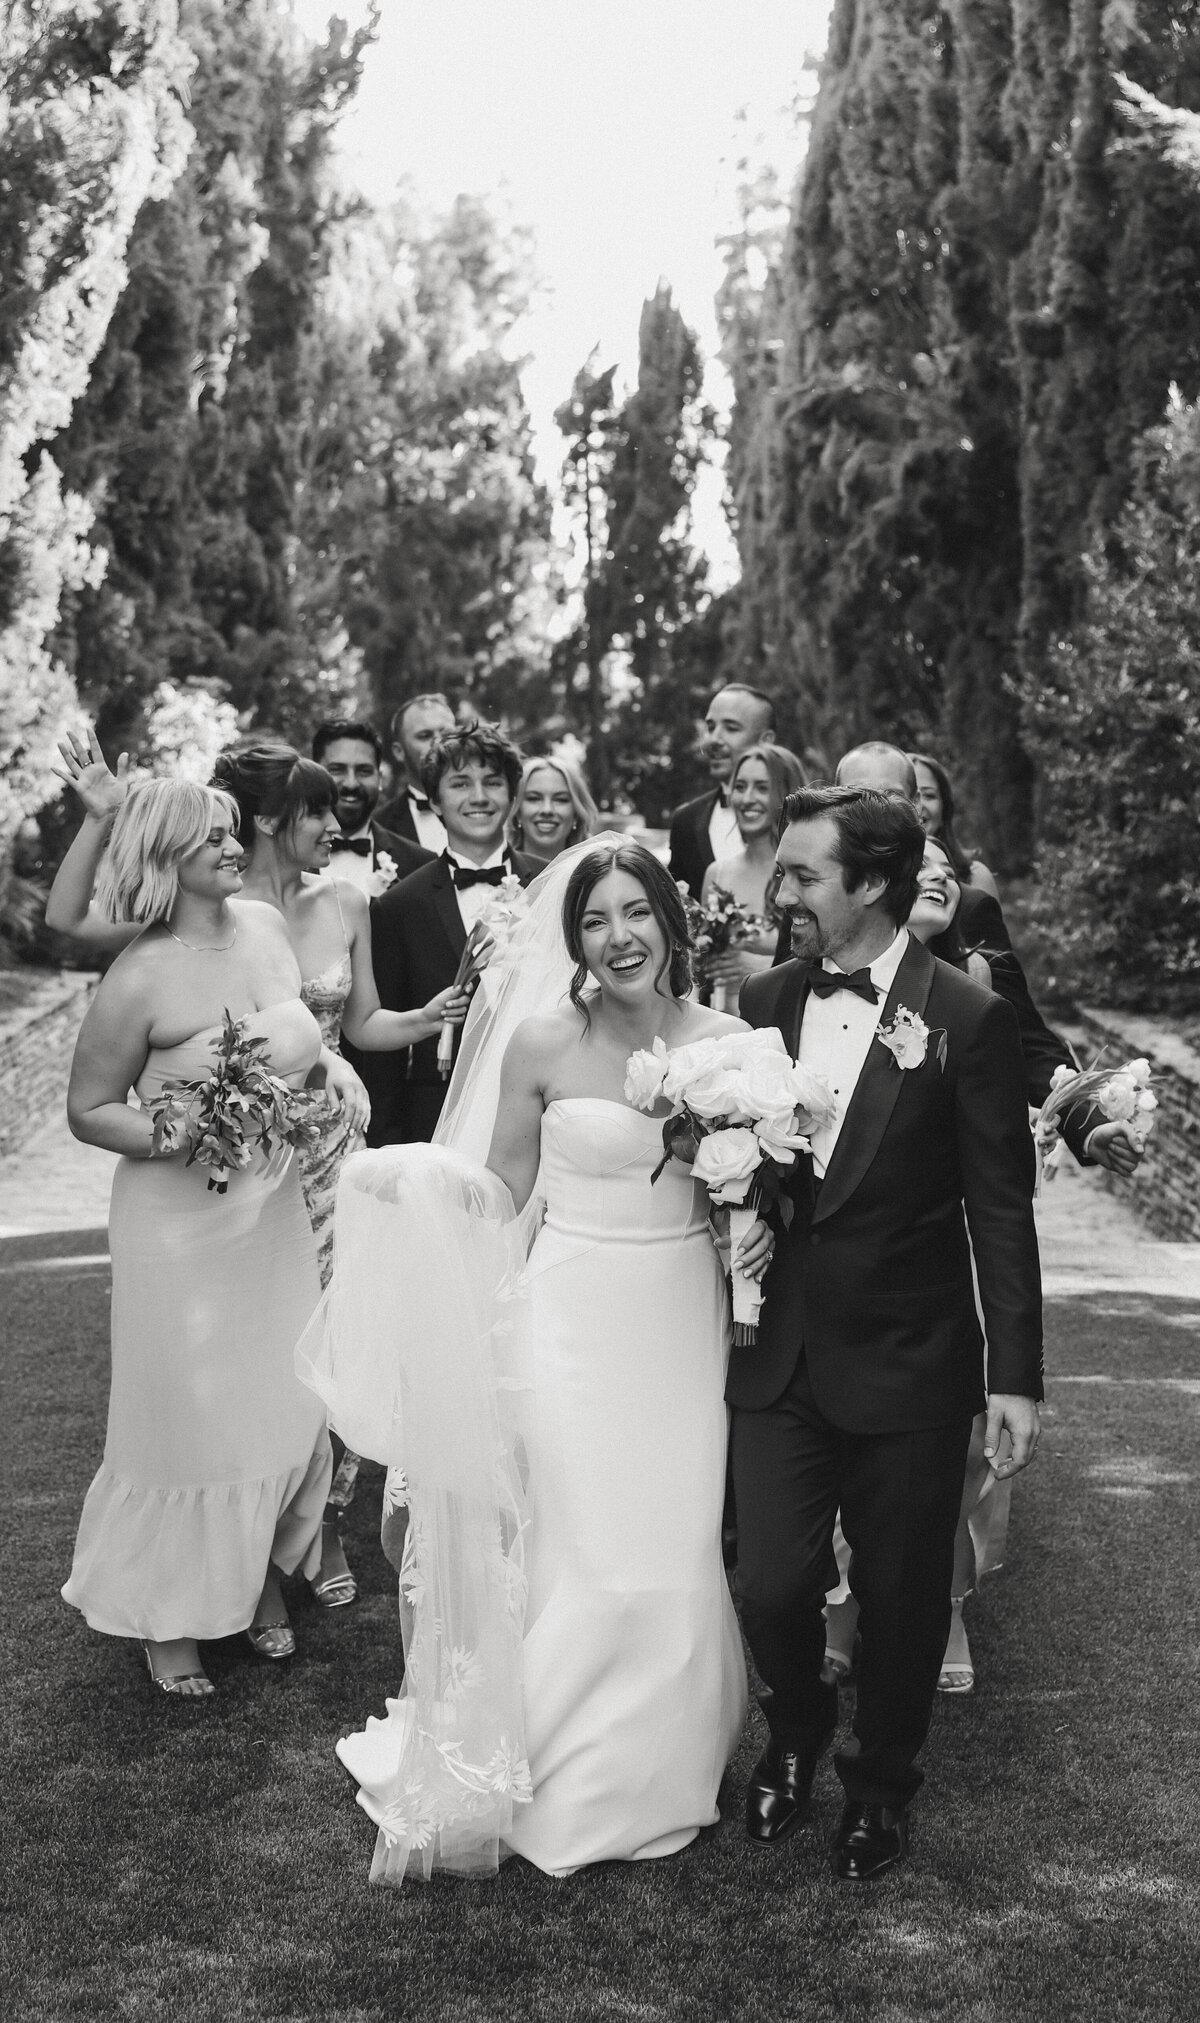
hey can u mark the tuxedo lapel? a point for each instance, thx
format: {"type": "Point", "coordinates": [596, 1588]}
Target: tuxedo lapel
{"type": "Point", "coordinates": [878, 1086]}
{"type": "Point", "coordinates": [445, 905]}
{"type": "Point", "coordinates": [789, 1005]}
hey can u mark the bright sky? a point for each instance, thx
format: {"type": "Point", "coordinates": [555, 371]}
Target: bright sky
{"type": "Point", "coordinates": [610, 129]}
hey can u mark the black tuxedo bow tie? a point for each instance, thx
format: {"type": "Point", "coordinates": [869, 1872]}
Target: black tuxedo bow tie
{"type": "Point", "coordinates": [495, 874]}
{"type": "Point", "coordinates": [826, 981]}
{"type": "Point", "coordinates": [361, 845]}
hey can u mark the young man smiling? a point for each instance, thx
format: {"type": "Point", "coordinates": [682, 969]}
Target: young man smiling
{"type": "Point", "coordinates": [420, 927]}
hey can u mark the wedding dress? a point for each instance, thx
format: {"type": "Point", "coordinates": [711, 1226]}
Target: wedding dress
{"type": "Point", "coordinates": [554, 1423]}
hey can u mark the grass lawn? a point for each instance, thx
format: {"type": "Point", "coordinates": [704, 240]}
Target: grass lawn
{"type": "Point", "coordinates": [208, 1862]}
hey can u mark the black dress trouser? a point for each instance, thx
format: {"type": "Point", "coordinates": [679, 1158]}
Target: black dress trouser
{"type": "Point", "coordinates": [899, 1495]}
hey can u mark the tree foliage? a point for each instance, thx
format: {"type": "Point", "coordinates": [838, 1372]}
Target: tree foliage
{"type": "Point", "coordinates": [1116, 733]}
{"type": "Point", "coordinates": [990, 280]}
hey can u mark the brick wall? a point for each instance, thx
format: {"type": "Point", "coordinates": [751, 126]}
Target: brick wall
{"type": "Point", "coordinates": [36, 1044]}
{"type": "Point", "coordinates": [1165, 1190]}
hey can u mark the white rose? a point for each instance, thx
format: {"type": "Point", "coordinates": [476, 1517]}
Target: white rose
{"type": "Point", "coordinates": [781, 1138]}
{"type": "Point", "coordinates": [685, 1062]}
{"type": "Point", "coordinates": [644, 1076]}
{"type": "Point", "coordinates": [726, 1162]}
{"type": "Point", "coordinates": [715, 1092]}
{"type": "Point", "coordinates": [1147, 1100]}
{"type": "Point", "coordinates": [813, 1098]}
{"type": "Point", "coordinates": [740, 1049]}
{"type": "Point", "coordinates": [1138, 1071]}
{"type": "Point", "coordinates": [1062, 1075]}
{"type": "Point", "coordinates": [768, 1084]}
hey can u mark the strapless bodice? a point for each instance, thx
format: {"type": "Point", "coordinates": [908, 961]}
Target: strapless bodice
{"type": "Point", "coordinates": [325, 995]}
{"type": "Point", "coordinates": [293, 1039]}
{"type": "Point", "coordinates": [597, 1158]}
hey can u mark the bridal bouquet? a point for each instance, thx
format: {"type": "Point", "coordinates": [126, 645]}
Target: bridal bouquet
{"type": "Point", "coordinates": [241, 1107]}
{"type": "Point", "coordinates": [1124, 1094]}
{"type": "Point", "coordinates": [487, 942]}
{"type": "Point", "coordinates": [719, 925]}
{"type": "Point", "coordinates": [740, 1112]}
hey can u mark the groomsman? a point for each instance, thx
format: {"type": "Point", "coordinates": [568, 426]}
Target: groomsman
{"type": "Point", "coordinates": [704, 829]}
{"type": "Point", "coordinates": [350, 752]}
{"type": "Point", "coordinates": [414, 727]}
{"type": "Point", "coordinates": [869, 1365]}
{"type": "Point", "coordinates": [420, 927]}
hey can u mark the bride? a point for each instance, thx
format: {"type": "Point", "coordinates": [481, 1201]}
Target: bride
{"type": "Point", "coordinates": [553, 1417]}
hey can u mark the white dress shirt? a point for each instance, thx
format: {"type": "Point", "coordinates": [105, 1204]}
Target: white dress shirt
{"type": "Point", "coordinates": [472, 902]}
{"type": "Point", "coordinates": [354, 869]}
{"type": "Point", "coordinates": [723, 831]}
{"type": "Point", "coordinates": [835, 1038]}
{"type": "Point", "coordinates": [431, 834]}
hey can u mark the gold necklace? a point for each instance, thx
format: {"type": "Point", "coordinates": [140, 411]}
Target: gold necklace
{"type": "Point", "coordinates": [213, 948]}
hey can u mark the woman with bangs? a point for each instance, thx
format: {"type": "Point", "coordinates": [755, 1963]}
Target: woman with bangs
{"type": "Point", "coordinates": [286, 823]}
{"type": "Point", "coordinates": [217, 1462]}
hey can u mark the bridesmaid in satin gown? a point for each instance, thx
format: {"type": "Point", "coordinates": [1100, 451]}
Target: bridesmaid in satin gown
{"type": "Point", "coordinates": [217, 1460]}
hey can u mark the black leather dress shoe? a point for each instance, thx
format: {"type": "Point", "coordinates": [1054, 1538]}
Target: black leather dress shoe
{"type": "Point", "coordinates": [779, 1789]}
{"type": "Point", "coordinates": [869, 1839]}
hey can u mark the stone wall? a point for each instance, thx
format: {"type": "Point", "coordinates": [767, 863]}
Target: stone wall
{"type": "Point", "coordinates": [1165, 1190]}
{"type": "Point", "coordinates": [37, 1039]}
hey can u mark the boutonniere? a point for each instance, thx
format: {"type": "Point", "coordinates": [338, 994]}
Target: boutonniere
{"type": "Point", "coordinates": [384, 875]}
{"type": "Point", "coordinates": [907, 1039]}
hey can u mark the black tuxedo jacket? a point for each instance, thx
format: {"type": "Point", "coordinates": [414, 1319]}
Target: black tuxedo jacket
{"type": "Point", "coordinates": [408, 857]}
{"type": "Point", "coordinates": [873, 1281]}
{"type": "Point", "coordinates": [691, 851]}
{"type": "Point", "coordinates": [398, 817]}
{"type": "Point", "coordinates": [417, 937]}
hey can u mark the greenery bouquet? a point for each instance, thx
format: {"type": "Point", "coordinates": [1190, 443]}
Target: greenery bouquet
{"type": "Point", "coordinates": [721, 923]}
{"type": "Point", "coordinates": [224, 1117]}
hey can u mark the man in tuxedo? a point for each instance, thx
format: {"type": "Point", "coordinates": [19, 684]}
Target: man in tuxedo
{"type": "Point", "coordinates": [704, 829]}
{"type": "Point", "coordinates": [414, 727]}
{"type": "Point", "coordinates": [350, 753]}
{"type": "Point", "coordinates": [869, 1364]}
{"type": "Point", "coordinates": [420, 927]}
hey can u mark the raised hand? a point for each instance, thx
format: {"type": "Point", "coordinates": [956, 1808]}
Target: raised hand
{"type": "Point", "coordinates": [86, 770]}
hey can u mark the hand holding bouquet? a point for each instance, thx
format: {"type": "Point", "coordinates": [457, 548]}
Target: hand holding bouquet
{"type": "Point", "coordinates": [1124, 1094]}
{"type": "Point", "coordinates": [741, 1109]}
{"type": "Point", "coordinates": [487, 940]}
{"type": "Point", "coordinates": [721, 924]}
{"type": "Point", "coordinates": [225, 1117]}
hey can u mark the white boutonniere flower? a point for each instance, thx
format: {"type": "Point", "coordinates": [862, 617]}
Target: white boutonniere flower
{"type": "Point", "coordinates": [907, 1039]}
{"type": "Point", "coordinates": [384, 875]}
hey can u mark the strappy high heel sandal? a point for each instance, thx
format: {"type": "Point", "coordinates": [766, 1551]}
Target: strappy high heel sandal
{"type": "Point", "coordinates": [336, 1589]}
{"type": "Point", "coordinates": [272, 1640]}
{"type": "Point", "coordinates": [179, 1685]}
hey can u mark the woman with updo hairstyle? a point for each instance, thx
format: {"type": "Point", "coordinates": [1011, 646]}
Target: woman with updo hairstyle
{"type": "Point", "coordinates": [552, 809]}
{"type": "Point", "coordinates": [286, 824]}
{"type": "Point", "coordinates": [217, 1462]}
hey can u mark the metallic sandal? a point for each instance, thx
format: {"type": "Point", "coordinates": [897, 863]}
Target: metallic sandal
{"type": "Point", "coordinates": [272, 1640]}
{"type": "Point", "coordinates": [334, 1590]}
{"type": "Point", "coordinates": [175, 1685]}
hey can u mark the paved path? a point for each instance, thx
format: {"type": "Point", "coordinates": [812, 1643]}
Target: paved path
{"type": "Point", "coordinates": [1091, 1241]}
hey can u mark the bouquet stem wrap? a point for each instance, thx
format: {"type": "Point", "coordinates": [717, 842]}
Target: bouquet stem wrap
{"type": "Point", "coordinates": [747, 1292]}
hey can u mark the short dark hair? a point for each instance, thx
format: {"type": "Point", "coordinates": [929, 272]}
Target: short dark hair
{"type": "Point", "coordinates": [415, 702]}
{"type": "Point", "coordinates": [272, 780]}
{"type": "Point", "coordinates": [877, 836]}
{"type": "Point", "coordinates": [743, 688]}
{"type": "Point", "coordinates": [333, 728]}
{"type": "Point", "coordinates": [484, 742]}
{"type": "Point", "coordinates": [666, 904]}
{"type": "Point", "coordinates": [877, 748]}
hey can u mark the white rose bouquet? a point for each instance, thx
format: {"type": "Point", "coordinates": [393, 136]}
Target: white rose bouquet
{"type": "Point", "coordinates": [740, 1112]}
{"type": "Point", "coordinates": [1124, 1094]}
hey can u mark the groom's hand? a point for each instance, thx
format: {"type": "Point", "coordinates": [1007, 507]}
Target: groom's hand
{"type": "Point", "coordinates": [1021, 1420]}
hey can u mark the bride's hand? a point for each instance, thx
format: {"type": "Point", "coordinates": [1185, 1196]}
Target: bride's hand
{"type": "Point", "coordinates": [84, 768]}
{"type": "Point", "coordinates": [756, 1250]}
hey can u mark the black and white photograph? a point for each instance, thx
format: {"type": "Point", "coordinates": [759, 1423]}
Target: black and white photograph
{"type": "Point", "coordinates": [600, 1010]}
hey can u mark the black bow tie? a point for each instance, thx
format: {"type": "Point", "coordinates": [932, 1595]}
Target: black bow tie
{"type": "Point", "coordinates": [494, 874]}
{"type": "Point", "coordinates": [420, 802]}
{"type": "Point", "coordinates": [826, 981]}
{"type": "Point", "coordinates": [361, 845]}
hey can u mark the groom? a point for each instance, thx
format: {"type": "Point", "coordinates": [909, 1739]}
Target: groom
{"type": "Point", "coordinates": [869, 1363]}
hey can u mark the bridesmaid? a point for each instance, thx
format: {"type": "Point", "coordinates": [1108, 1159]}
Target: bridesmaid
{"type": "Point", "coordinates": [553, 809]}
{"type": "Point", "coordinates": [217, 1462]}
{"type": "Point", "coordinates": [285, 827]}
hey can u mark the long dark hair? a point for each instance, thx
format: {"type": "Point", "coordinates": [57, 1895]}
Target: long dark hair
{"type": "Point", "coordinates": [665, 903]}
{"type": "Point", "coordinates": [945, 835]}
{"type": "Point", "coordinates": [271, 780]}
